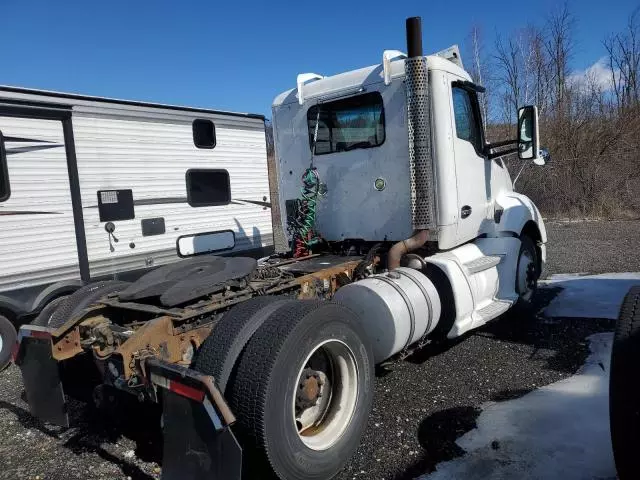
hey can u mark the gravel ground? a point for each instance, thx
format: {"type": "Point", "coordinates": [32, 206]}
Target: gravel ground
{"type": "Point", "coordinates": [593, 247]}
{"type": "Point", "coordinates": [421, 406]}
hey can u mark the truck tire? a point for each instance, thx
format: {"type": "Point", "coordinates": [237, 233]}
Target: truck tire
{"type": "Point", "coordinates": [222, 348]}
{"type": "Point", "coordinates": [8, 336]}
{"type": "Point", "coordinates": [45, 314]}
{"type": "Point", "coordinates": [527, 274]}
{"type": "Point", "coordinates": [302, 392]}
{"type": "Point", "coordinates": [624, 389]}
{"type": "Point", "coordinates": [82, 298]}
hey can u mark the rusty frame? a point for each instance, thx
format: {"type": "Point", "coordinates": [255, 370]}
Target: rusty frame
{"type": "Point", "coordinates": [157, 338]}
{"type": "Point", "coordinates": [169, 336]}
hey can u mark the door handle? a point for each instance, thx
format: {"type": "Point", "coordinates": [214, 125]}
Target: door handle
{"type": "Point", "coordinates": [465, 211]}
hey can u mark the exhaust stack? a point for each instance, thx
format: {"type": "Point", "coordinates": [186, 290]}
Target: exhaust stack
{"type": "Point", "coordinates": [419, 129]}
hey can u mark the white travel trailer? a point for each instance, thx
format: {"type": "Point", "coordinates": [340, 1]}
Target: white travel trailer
{"type": "Point", "coordinates": [95, 188]}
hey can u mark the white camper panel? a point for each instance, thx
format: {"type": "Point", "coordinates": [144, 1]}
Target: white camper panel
{"type": "Point", "coordinates": [37, 235]}
{"type": "Point", "coordinates": [150, 153]}
{"type": "Point", "coordinates": [138, 154]}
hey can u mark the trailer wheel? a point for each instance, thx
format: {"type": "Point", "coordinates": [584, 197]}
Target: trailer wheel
{"type": "Point", "coordinates": [222, 348]}
{"type": "Point", "coordinates": [82, 298]}
{"type": "Point", "coordinates": [624, 389]}
{"type": "Point", "coordinates": [303, 391]}
{"type": "Point", "coordinates": [8, 338]}
{"type": "Point", "coordinates": [527, 273]}
{"type": "Point", "coordinates": [45, 314]}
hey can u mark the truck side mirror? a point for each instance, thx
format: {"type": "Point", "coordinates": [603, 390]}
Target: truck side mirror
{"type": "Point", "coordinates": [528, 138]}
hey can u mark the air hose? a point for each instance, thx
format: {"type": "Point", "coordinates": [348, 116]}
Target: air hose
{"type": "Point", "coordinates": [302, 225]}
{"type": "Point", "coordinates": [303, 234]}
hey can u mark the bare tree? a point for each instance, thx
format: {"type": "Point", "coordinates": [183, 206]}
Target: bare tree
{"type": "Point", "coordinates": [560, 45]}
{"type": "Point", "coordinates": [592, 132]}
{"type": "Point", "coordinates": [624, 62]}
{"type": "Point", "coordinates": [479, 69]}
{"type": "Point", "coordinates": [509, 71]}
{"type": "Point", "coordinates": [521, 69]}
{"type": "Point", "coordinates": [540, 71]}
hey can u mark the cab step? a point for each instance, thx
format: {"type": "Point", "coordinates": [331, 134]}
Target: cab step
{"type": "Point", "coordinates": [483, 263]}
{"type": "Point", "coordinates": [493, 310]}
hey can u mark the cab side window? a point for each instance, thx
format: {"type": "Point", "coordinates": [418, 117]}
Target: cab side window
{"type": "Point", "coordinates": [467, 117]}
{"type": "Point", "coordinates": [347, 124]}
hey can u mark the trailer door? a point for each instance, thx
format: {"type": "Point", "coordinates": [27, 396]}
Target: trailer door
{"type": "Point", "coordinates": [37, 234]}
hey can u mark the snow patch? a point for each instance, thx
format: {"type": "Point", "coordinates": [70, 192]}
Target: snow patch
{"type": "Point", "coordinates": [589, 296]}
{"type": "Point", "coordinates": [557, 431]}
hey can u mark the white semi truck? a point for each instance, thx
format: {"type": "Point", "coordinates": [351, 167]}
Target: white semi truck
{"type": "Point", "coordinates": [397, 225]}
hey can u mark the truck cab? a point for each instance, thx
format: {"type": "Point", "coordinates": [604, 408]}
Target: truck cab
{"type": "Point", "coordinates": [362, 154]}
{"type": "Point", "coordinates": [400, 148]}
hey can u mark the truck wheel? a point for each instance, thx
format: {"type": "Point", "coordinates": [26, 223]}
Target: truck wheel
{"type": "Point", "coordinates": [222, 348]}
{"type": "Point", "coordinates": [526, 273]}
{"type": "Point", "coordinates": [45, 314]}
{"type": "Point", "coordinates": [303, 391]}
{"type": "Point", "coordinates": [82, 298]}
{"type": "Point", "coordinates": [624, 389]}
{"type": "Point", "coordinates": [8, 338]}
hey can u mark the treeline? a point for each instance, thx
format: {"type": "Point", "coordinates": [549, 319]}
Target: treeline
{"type": "Point", "coordinates": [590, 120]}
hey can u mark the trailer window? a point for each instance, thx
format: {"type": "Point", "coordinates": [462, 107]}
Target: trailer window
{"type": "Point", "coordinates": [5, 191]}
{"type": "Point", "coordinates": [208, 187]}
{"type": "Point", "coordinates": [467, 120]}
{"type": "Point", "coordinates": [347, 124]}
{"type": "Point", "coordinates": [204, 133]}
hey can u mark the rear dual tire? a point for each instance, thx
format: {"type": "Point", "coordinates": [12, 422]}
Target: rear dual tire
{"type": "Point", "coordinates": [301, 390]}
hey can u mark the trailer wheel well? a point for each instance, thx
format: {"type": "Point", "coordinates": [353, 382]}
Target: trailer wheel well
{"type": "Point", "coordinates": [532, 231]}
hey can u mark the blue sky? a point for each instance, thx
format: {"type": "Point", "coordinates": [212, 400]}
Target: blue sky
{"type": "Point", "coordinates": [239, 55]}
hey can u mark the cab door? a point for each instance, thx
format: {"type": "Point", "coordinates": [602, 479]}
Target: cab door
{"type": "Point", "coordinates": [473, 168]}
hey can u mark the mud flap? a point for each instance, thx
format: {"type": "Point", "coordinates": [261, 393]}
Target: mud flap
{"type": "Point", "coordinates": [198, 441]}
{"type": "Point", "coordinates": [193, 448]}
{"type": "Point", "coordinates": [41, 375]}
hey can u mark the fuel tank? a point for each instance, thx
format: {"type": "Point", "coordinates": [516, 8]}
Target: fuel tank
{"type": "Point", "coordinates": [397, 308]}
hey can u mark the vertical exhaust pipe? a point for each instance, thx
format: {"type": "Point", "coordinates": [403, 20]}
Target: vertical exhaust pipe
{"type": "Point", "coordinates": [414, 37]}
{"type": "Point", "coordinates": [420, 161]}
{"type": "Point", "coordinates": [419, 129]}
